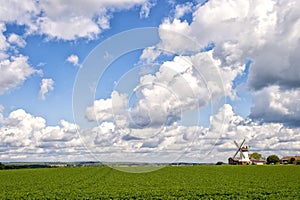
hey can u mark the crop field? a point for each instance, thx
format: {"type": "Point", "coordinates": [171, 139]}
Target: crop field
{"type": "Point", "coordinates": [184, 182]}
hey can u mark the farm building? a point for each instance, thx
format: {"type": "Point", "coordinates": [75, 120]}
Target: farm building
{"type": "Point", "coordinates": [236, 161]}
{"type": "Point", "coordinates": [289, 159]}
{"type": "Point", "coordinates": [259, 161]}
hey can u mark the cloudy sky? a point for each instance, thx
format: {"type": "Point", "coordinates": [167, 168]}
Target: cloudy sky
{"type": "Point", "coordinates": [148, 80]}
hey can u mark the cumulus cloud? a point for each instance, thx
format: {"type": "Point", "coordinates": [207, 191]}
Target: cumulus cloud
{"type": "Point", "coordinates": [237, 30]}
{"type": "Point", "coordinates": [105, 134]}
{"type": "Point", "coordinates": [150, 54]}
{"type": "Point", "coordinates": [73, 59]}
{"type": "Point", "coordinates": [182, 9]}
{"type": "Point", "coordinates": [151, 124]}
{"type": "Point", "coordinates": [79, 18]}
{"type": "Point", "coordinates": [275, 104]}
{"type": "Point", "coordinates": [177, 87]}
{"type": "Point", "coordinates": [62, 133]}
{"type": "Point", "coordinates": [226, 126]}
{"type": "Point", "coordinates": [45, 87]}
{"type": "Point", "coordinates": [3, 42]}
{"type": "Point", "coordinates": [22, 13]}
{"type": "Point", "coordinates": [176, 30]}
{"type": "Point", "coordinates": [194, 143]}
{"type": "Point", "coordinates": [267, 137]}
{"type": "Point", "coordinates": [16, 39]}
{"type": "Point", "coordinates": [146, 7]}
{"type": "Point", "coordinates": [107, 109]}
{"type": "Point", "coordinates": [14, 71]}
{"type": "Point", "coordinates": [55, 19]}
{"type": "Point", "coordinates": [276, 61]}
{"type": "Point", "coordinates": [29, 136]}
{"type": "Point", "coordinates": [14, 68]}
{"type": "Point", "coordinates": [65, 20]}
{"type": "Point", "coordinates": [1, 115]}
{"type": "Point", "coordinates": [20, 129]}
{"type": "Point", "coordinates": [266, 32]}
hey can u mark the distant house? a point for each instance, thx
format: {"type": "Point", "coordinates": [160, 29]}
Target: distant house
{"type": "Point", "coordinates": [59, 165]}
{"type": "Point", "coordinates": [287, 159]}
{"type": "Point", "coordinates": [259, 161]}
{"type": "Point", "coordinates": [236, 161]}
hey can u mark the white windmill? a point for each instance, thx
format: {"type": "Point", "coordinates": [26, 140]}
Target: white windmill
{"type": "Point", "coordinates": [243, 158]}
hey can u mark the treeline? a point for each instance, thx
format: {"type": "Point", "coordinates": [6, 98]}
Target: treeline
{"type": "Point", "coordinates": [2, 166]}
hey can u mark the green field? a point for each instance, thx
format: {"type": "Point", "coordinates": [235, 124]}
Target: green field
{"type": "Point", "coordinates": [186, 182]}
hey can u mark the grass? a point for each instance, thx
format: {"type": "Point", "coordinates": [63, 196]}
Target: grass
{"type": "Point", "coordinates": [185, 182]}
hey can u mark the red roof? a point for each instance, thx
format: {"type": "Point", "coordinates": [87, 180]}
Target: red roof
{"type": "Point", "coordinates": [289, 157]}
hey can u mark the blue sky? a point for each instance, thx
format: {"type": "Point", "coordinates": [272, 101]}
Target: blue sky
{"type": "Point", "coordinates": [205, 73]}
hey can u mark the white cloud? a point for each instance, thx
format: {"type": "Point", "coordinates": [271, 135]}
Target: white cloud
{"type": "Point", "coordinates": [24, 136]}
{"type": "Point", "coordinates": [267, 138]}
{"type": "Point", "coordinates": [65, 20]}
{"type": "Point", "coordinates": [66, 132]}
{"type": "Point", "coordinates": [105, 135]}
{"type": "Point", "coordinates": [101, 110]}
{"type": "Point", "coordinates": [276, 62]}
{"type": "Point", "coordinates": [177, 87]}
{"type": "Point", "coordinates": [275, 104]}
{"type": "Point", "coordinates": [73, 59]}
{"type": "Point", "coordinates": [229, 25]}
{"type": "Point", "coordinates": [22, 12]}
{"type": "Point", "coordinates": [69, 28]}
{"type": "Point", "coordinates": [146, 7]}
{"type": "Point", "coordinates": [14, 68]}
{"type": "Point", "coordinates": [238, 29]}
{"type": "Point", "coordinates": [3, 43]}
{"type": "Point", "coordinates": [14, 72]}
{"type": "Point", "coordinates": [176, 30]}
{"type": "Point", "coordinates": [107, 109]}
{"type": "Point", "coordinates": [21, 129]}
{"type": "Point", "coordinates": [78, 19]}
{"type": "Point", "coordinates": [224, 120]}
{"type": "Point", "coordinates": [16, 39]}
{"type": "Point", "coordinates": [197, 143]}
{"type": "Point", "coordinates": [182, 9]}
{"type": "Point", "coordinates": [150, 54]}
{"type": "Point", "coordinates": [28, 136]}
{"type": "Point", "coordinates": [46, 86]}
{"type": "Point", "coordinates": [184, 84]}
{"type": "Point", "coordinates": [1, 115]}
{"type": "Point", "coordinates": [162, 98]}
{"type": "Point", "coordinates": [265, 31]}
{"type": "Point", "coordinates": [55, 19]}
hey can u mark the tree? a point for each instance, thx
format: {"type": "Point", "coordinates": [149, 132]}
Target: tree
{"type": "Point", "coordinates": [256, 155]}
{"type": "Point", "coordinates": [291, 160]}
{"type": "Point", "coordinates": [2, 166]}
{"type": "Point", "coordinates": [273, 159]}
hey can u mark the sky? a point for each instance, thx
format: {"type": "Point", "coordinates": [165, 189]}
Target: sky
{"type": "Point", "coordinates": [148, 80]}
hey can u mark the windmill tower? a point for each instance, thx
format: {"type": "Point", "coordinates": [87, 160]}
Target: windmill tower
{"type": "Point", "coordinates": [243, 158]}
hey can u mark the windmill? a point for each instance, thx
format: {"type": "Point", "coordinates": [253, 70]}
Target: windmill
{"type": "Point", "coordinates": [243, 158]}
